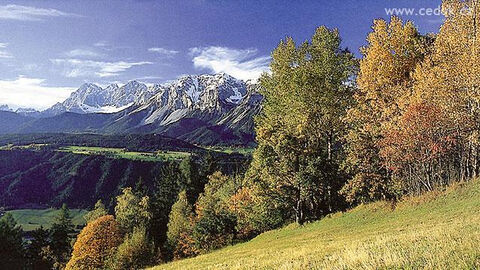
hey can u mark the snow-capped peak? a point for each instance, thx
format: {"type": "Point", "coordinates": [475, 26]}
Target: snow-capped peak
{"type": "Point", "coordinates": [202, 91]}
{"type": "Point", "coordinates": [5, 108]}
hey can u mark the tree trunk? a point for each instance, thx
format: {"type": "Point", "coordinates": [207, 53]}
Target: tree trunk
{"type": "Point", "coordinates": [299, 217]}
{"type": "Point", "coordinates": [329, 145]}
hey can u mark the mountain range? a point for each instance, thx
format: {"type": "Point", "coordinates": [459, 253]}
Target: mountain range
{"type": "Point", "coordinates": [202, 109]}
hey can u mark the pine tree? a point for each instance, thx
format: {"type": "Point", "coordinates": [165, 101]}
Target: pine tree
{"type": "Point", "coordinates": [40, 240]}
{"type": "Point", "coordinates": [61, 235]}
{"type": "Point", "coordinates": [11, 245]}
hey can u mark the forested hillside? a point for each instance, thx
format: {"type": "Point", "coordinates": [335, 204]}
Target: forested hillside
{"type": "Point", "coordinates": [41, 179]}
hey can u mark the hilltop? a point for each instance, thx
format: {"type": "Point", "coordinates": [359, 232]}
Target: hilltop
{"type": "Point", "coordinates": [438, 230]}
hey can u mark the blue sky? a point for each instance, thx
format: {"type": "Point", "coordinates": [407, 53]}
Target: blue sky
{"type": "Point", "coordinates": [49, 48]}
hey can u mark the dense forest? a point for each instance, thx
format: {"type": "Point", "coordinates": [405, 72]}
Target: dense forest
{"type": "Point", "coordinates": [334, 132]}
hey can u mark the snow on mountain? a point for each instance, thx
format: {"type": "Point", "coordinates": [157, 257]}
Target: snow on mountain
{"type": "Point", "coordinates": [22, 111]}
{"type": "Point", "coordinates": [28, 112]}
{"type": "Point", "coordinates": [5, 108]}
{"type": "Point", "coordinates": [206, 97]}
{"type": "Point", "coordinates": [179, 107]}
{"type": "Point", "coordinates": [91, 98]}
{"type": "Point", "coordinates": [201, 109]}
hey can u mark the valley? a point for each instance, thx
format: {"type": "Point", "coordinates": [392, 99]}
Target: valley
{"type": "Point", "coordinates": [46, 175]}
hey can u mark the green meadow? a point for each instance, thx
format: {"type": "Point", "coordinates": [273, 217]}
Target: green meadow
{"type": "Point", "coordinates": [122, 153]}
{"type": "Point", "coordinates": [31, 219]}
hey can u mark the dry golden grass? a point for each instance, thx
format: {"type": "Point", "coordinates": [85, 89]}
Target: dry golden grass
{"type": "Point", "coordinates": [439, 230]}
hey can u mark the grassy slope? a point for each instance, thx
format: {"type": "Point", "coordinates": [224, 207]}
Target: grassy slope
{"type": "Point", "coordinates": [31, 219]}
{"type": "Point", "coordinates": [434, 231]}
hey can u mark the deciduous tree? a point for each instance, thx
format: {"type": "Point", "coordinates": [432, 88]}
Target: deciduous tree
{"type": "Point", "coordinates": [95, 244]}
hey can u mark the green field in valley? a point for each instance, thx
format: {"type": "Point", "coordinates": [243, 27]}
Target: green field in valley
{"type": "Point", "coordinates": [122, 153]}
{"type": "Point", "coordinates": [438, 230]}
{"type": "Point", "coordinates": [232, 150]}
{"type": "Point", "coordinates": [31, 219]}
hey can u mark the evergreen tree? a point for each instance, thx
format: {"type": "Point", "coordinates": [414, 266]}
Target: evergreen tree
{"type": "Point", "coordinates": [193, 181]}
{"type": "Point", "coordinates": [40, 240]}
{"type": "Point", "coordinates": [11, 245]}
{"type": "Point", "coordinates": [61, 237]}
{"type": "Point", "coordinates": [164, 195]}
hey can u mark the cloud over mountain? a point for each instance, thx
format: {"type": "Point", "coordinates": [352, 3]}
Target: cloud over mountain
{"type": "Point", "coordinates": [240, 63]}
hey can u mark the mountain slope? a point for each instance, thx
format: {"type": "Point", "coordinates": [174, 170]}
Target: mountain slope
{"type": "Point", "coordinates": [434, 231]}
{"type": "Point", "coordinates": [12, 122]}
{"type": "Point", "coordinates": [5, 108]}
{"type": "Point", "coordinates": [204, 97]}
{"type": "Point", "coordinates": [67, 122]}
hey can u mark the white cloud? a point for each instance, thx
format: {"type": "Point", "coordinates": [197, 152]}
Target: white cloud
{"type": "Point", "coordinates": [26, 13]}
{"type": "Point", "coordinates": [241, 64]}
{"type": "Point", "coordinates": [74, 68]}
{"type": "Point", "coordinates": [164, 52]}
{"type": "Point", "coordinates": [82, 53]}
{"type": "Point", "coordinates": [101, 44]}
{"type": "Point", "coordinates": [149, 78]}
{"type": "Point", "coordinates": [4, 54]}
{"type": "Point", "coordinates": [31, 92]}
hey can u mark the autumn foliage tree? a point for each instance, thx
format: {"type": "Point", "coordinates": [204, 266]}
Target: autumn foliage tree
{"type": "Point", "coordinates": [436, 139]}
{"type": "Point", "coordinates": [385, 83]}
{"type": "Point", "coordinates": [418, 146]}
{"type": "Point", "coordinates": [95, 244]}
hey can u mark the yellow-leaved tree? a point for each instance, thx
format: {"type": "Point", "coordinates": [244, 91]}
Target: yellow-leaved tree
{"type": "Point", "coordinates": [95, 244]}
{"type": "Point", "coordinates": [385, 82]}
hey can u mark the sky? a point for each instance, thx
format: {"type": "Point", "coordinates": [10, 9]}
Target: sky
{"type": "Point", "coordinates": [48, 48]}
